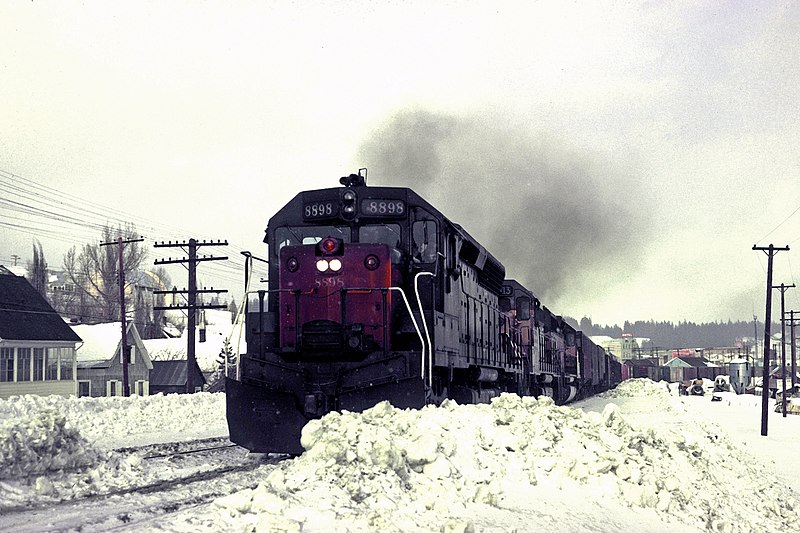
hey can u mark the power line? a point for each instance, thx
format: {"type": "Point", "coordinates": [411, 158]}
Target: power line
{"type": "Point", "coordinates": [779, 225]}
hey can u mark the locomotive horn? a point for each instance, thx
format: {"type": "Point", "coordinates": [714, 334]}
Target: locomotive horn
{"type": "Point", "coordinates": [353, 180]}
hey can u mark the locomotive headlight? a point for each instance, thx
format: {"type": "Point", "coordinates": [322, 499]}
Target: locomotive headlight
{"type": "Point", "coordinates": [335, 265]}
{"type": "Point", "coordinates": [349, 196]}
{"type": "Point", "coordinates": [292, 264]}
{"type": "Point", "coordinates": [322, 265]}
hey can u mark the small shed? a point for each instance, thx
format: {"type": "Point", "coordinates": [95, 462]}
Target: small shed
{"type": "Point", "coordinates": [170, 377]}
{"type": "Point", "coordinates": [646, 367]}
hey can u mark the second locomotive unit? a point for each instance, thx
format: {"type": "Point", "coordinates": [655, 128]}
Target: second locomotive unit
{"type": "Point", "coordinates": [373, 294]}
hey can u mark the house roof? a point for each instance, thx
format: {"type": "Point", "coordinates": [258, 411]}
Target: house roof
{"type": "Point", "coordinates": [101, 343]}
{"type": "Point", "coordinates": [171, 373]}
{"type": "Point", "coordinates": [26, 315]}
{"type": "Point", "coordinates": [697, 362]}
{"type": "Point", "coordinates": [645, 362]}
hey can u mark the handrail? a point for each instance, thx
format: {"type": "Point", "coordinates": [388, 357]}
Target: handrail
{"type": "Point", "coordinates": [425, 325]}
{"type": "Point", "coordinates": [416, 327]}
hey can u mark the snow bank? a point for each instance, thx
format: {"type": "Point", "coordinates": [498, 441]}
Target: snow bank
{"type": "Point", "coordinates": [55, 448]}
{"type": "Point", "coordinates": [41, 443]}
{"type": "Point", "coordinates": [413, 470]}
{"type": "Point", "coordinates": [136, 420]}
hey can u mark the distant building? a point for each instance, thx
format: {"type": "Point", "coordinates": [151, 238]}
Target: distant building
{"type": "Point", "coordinates": [37, 348]}
{"type": "Point", "coordinates": [688, 368]}
{"type": "Point", "coordinates": [647, 367]}
{"type": "Point", "coordinates": [100, 368]}
{"type": "Point", "coordinates": [625, 347]}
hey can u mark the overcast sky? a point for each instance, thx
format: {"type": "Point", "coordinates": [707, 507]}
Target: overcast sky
{"type": "Point", "coordinates": [620, 158]}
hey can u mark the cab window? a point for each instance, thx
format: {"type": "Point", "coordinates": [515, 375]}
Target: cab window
{"type": "Point", "coordinates": [296, 235]}
{"type": "Point", "coordinates": [423, 243]}
{"type": "Point", "coordinates": [524, 308]}
{"type": "Point", "coordinates": [380, 233]}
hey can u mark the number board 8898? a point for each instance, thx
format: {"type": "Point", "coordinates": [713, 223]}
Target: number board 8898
{"type": "Point", "coordinates": [383, 207]}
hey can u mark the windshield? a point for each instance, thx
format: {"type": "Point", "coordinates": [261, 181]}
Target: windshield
{"type": "Point", "coordinates": [295, 235]}
{"type": "Point", "coordinates": [380, 233]}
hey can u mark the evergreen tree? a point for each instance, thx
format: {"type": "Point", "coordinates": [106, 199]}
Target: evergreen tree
{"type": "Point", "coordinates": [233, 309]}
{"type": "Point", "coordinates": [37, 270]}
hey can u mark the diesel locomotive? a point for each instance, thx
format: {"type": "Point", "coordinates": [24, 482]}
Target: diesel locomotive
{"type": "Point", "coordinates": [373, 294]}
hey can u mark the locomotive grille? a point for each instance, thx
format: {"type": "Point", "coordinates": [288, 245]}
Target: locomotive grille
{"type": "Point", "coordinates": [319, 335]}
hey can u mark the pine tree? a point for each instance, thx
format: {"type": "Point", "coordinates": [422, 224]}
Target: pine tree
{"type": "Point", "coordinates": [233, 310]}
{"type": "Point", "coordinates": [37, 270]}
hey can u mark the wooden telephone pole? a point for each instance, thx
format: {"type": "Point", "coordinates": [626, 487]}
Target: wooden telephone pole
{"type": "Point", "coordinates": [770, 251]}
{"type": "Point", "coordinates": [792, 322]}
{"type": "Point", "coordinates": [191, 292]}
{"type": "Point", "coordinates": [783, 288]}
{"type": "Point", "coordinates": [125, 350]}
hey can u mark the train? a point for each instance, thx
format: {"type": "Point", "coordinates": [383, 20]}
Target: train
{"type": "Point", "coordinates": [373, 294]}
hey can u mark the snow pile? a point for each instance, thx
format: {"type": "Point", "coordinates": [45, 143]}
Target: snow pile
{"type": "Point", "coordinates": [634, 388]}
{"type": "Point", "coordinates": [413, 470]}
{"type": "Point", "coordinates": [54, 448]}
{"type": "Point", "coordinates": [42, 443]}
{"type": "Point", "coordinates": [107, 421]}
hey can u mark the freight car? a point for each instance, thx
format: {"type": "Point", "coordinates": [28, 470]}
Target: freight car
{"type": "Point", "coordinates": [373, 294]}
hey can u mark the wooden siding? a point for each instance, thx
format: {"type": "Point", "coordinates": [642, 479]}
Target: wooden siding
{"type": "Point", "coordinates": [40, 388]}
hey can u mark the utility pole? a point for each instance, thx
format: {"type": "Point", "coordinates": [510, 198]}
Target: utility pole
{"type": "Point", "coordinates": [755, 339]}
{"type": "Point", "coordinates": [15, 257]}
{"type": "Point", "coordinates": [792, 323]}
{"type": "Point", "coordinates": [783, 288]}
{"type": "Point", "coordinates": [770, 250]}
{"type": "Point", "coordinates": [124, 349]}
{"type": "Point", "coordinates": [191, 292]}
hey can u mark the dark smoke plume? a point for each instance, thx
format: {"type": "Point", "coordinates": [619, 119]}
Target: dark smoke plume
{"type": "Point", "coordinates": [555, 218]}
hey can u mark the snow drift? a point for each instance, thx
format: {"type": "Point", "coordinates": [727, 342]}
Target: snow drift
{"type": "Point", "coordinates": [412, 470]}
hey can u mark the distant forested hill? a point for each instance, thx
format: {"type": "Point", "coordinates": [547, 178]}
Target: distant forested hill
{"type": "Point", "coordinates": [683, 334]}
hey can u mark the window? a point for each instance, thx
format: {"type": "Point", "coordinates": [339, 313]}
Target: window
{"type": "Point", "coordinates": [113, 388]}
{"type": "Point", "coordinates": [84, 389]}
{"type": "Point", "coordinates": [523, 308]}
{"type": "Point", "coordinates": [65, 362]}
{"type": "Point", "coordinates": [131, 354]}
{"type": "Point", "coordinates": [423, 244]}
{"type": "Point", "coordinates": [380, 233]}
{"type": "Point", "coordinates": [6, 364]}
{"type": "Point", "coordinates": [51, 364]}
{"type": "Point", "coordinates": [24, 364]}
{"type": "Point", "coordinates": [141, 387]}
{"type": "Point", "coordinates": [293, 236]}
{"type": "Point", "coordinates": [38, 364]}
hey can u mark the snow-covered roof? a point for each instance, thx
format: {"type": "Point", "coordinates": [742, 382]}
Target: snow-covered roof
{"type": "Point", "coordinates": [101, 342]}
{"type": "Point", "coordinates": [218, 328]}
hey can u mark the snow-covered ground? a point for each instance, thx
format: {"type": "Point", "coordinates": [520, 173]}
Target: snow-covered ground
{"type": "Point", "coordinates": [636, 459]}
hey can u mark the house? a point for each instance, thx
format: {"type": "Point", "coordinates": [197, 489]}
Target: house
{"type": "Point", "coordinates": [99, 360]}
{"type": "Point", "coordinates": [37, 348]}
{"type": "Point", "coordinates": [171, 376]}
{"type": "Point", "coordinates": [687, 368]}
{"type": "Point", "coordinates": [647, 367]}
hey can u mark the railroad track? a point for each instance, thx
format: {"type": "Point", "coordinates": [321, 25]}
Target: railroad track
{"type": "Point", "coordinates": [174, 476]}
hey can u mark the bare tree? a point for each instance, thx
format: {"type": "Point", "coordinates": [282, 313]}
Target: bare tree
{"type": "Point", "coordinates": [94, 271]}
